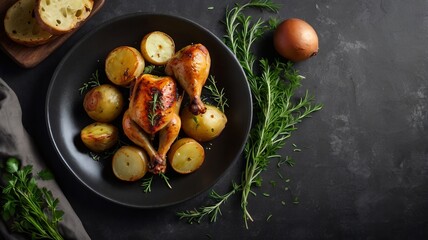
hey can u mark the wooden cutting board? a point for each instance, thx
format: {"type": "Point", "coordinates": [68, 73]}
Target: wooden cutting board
{"type": "Point", "coordinates": [29, 57]}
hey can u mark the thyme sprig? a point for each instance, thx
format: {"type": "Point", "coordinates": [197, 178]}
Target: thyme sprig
{"type": "Point", "coordinates": [273, 86]}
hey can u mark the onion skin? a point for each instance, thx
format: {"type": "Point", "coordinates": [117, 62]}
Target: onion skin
{"type": "Point", "coordinates": [295, 40]}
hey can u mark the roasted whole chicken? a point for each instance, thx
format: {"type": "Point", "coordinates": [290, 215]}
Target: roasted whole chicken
{"type": "Point", "coordinates": [190, 66]}
{"type": "Point", "coordinates": [153, 108]}
{"type": "Point", "coordinates": [154, 103]}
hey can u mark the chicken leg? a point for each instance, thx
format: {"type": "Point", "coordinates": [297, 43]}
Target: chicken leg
{"type": "Point", "coordinates": [157, 163]}
{"type": "Point", "coordinates": [191, 66]}
{"type": "Point", "coordinates": [169, 133]}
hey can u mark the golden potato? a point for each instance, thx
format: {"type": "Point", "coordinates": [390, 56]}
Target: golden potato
{"type": "Point", "coordinates": [186, 155]}
{"type": "Point", "coordinates": [130, 163]}
{"type": "Point", "coordinates": [203, 127]}
{"type": "Point", "coordinates": [103, 103]}
{"type": "Point", "coordinates": [157, 47]}
{"type": "Point", "coordinates": [123, 65]}
{"type": "Point", "coordinates": [99, 137]}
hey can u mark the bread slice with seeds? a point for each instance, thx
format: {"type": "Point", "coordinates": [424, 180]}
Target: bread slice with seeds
{"type": "Point", "coordinates": [21, 26]}
{"type": "Point", "coordinates": [62, 16]}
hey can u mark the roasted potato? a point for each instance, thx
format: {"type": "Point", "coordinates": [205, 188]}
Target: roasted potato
{"type": "Point", "coordinates": [130, 163]}
{"type": "Point", "coordinates": [123, 65]}
{"type": "Point", "coordinates": [203, 127]}
{"type": "Point", "coordinates": [103, 103]}
{"type": "Point", "coordinates": [157, 47]}
{"type": "Point", "coordinates": [99, 137]}
{"type": "Point", "coordinates": [186, 155]}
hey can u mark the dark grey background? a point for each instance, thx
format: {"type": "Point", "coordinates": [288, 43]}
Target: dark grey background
{"type": "Point", "coordinates": [363, 169]}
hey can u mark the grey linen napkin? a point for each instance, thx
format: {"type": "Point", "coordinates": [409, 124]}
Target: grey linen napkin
{"type": "Point", "coordinates": [15, 141]}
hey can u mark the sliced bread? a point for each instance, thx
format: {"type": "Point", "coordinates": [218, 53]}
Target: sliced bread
{"type": "Point", "coordinates": [21, 25]}
{"type": "Point", "coordinates": [62, 16]}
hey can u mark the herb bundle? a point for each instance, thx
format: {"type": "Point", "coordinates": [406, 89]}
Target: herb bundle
{"type": "Point", "coordinates": [273, 85]}
{"type": "Point", "coordinates": [30, 209]}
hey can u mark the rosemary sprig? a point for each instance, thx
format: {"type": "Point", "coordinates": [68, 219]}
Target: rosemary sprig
{"type": "Point", "coordinates": [147, 184]}
{"type": "Point", "coordinates": [94, 81]}
{"type": "Point", "coordinates": [290, 161]}
{"type": "Point", "coordinates": [218, 95]}
{"type": "Point", "coordinates": [100, 156]}
{"type": "Point", "coordinates": [277, 116]}
{"type": "Point", "coordinates": [32, 210]}
{"type": "Point", "coordinates": [273, 88]}
{"type": "Point", "coordinates": [155, 104]}
{"type": "Point", "coordinates": [165, 179]}
{"type": "Point", "coordinates": [212, 211]}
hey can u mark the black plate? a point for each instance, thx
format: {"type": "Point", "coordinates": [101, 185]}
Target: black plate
{"type": "Point", "coordinates": [66, 117]}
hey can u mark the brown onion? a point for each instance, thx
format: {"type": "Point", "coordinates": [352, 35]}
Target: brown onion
{"type": "Point", "coordinates": [295, 40]}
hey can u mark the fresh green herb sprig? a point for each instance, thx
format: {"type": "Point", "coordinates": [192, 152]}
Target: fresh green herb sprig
{"type": "Point", "coordinates": [148, 181]}
{"type": "Point", "coordinates": [155, 104]}
{"type": "Point", "coordinates": [147, 184]}
{"type": "Point", "coordinates": [218, 95]}
{"type": "Point", "coordinates": [100, 156]}
{"type": "Point", "coordinates": [155, 70]}
{"type": "Point", "coordinates": [94, 81]}
{"type": "Point", "coordinates": [212, 211]}
{"type": "Point", "coordinates": [288, 160]}
{"type": "Point", "coordinates": [165, 179]}
{"type": "Point", "coordinates": [45, 174]}
{"type": "Point", "coordinates": [273, 86]}
{"type": "Point", "coordinates": [31, 210]}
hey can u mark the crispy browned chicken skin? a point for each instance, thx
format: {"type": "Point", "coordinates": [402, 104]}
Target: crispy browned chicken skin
{"type": "Point", "coordinates": [154, 107]}
{"type": "Point", "coordinates": [191, 66]}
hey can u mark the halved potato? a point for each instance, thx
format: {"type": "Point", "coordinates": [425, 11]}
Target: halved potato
{"type": "Point", "coordinates": [157, 47]}
{"type": "Point", "coordinates": [99, 136]}
{"type": "Point", "coordinates": [203, 127]}
{"type": "Point", "coordinates": [130, 163]}
{"type": "Point", "coordinates": [103, 103]}
{"type": "Point", "coordinates": [123, 65]}
{"type": "Point", "coordinates": [186, 155]}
